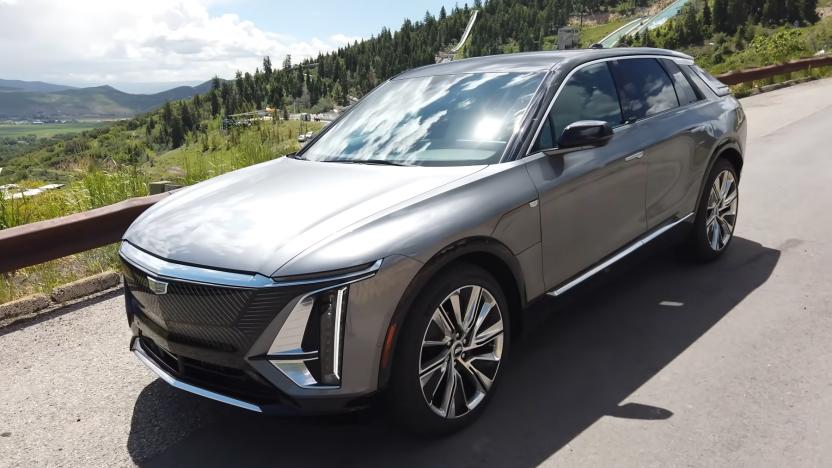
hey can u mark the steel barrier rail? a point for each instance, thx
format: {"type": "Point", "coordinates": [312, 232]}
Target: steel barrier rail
{"type": "Point", "coordinates": [744, 76]}
{"type": "Point", "coordinates": [31, 244]}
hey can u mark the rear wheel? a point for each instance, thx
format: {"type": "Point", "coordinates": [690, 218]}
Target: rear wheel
{"type": "Point", "coordinates": [450, 352]}
{"type": "Point", "coordinates": [716, 216]}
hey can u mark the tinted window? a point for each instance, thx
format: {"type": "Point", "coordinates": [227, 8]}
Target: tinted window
{"type": "Point", "coordinates": [644, 87]}
{"type": "Point", "coordinates": [684, 90]}
{"type": "Point", "coordinates": [698, 84]}
{"type": "Point", "coordinates": [441, 120]}
{"type": "Point", "coordinates": [719, 87]}
{"type": "Point", "coordinates": [588, 95]}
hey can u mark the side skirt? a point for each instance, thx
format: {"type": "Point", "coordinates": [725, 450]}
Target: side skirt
{"type": "Point", "coordinates": [635, 245]}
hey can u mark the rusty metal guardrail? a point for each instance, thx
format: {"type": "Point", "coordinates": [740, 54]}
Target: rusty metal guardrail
{"type": "Point", "coordinates": [31, 244]}
{"type": "Point", "coordinates": [744, 76]}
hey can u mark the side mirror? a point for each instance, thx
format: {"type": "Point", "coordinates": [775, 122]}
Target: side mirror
{"type": "Point", "coordinates": [585, 133]}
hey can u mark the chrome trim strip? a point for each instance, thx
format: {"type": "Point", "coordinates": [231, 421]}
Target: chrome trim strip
{"type": "Point", "coordinates": [352, 276]}
{"type": "Point", "coordinates": [289, 337]}
{"type": "Point", "coordinates": [339, 311]}
{"type": "Point", "coordinates": [299, 374]}
{"type": "Point", "coordinates": [156, 266]}
{"type": "Point", "coordinates": [173, 381]}
{"type": "Point", "coordinates": [632, 157]}
{"type": "Point", "coordinates": [620, 255]}
{"type": "Point", "coordinates": [293, 355]}
{"type": "Point", "coordinates": [285, 352]}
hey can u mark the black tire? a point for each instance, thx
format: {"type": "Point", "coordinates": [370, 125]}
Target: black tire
{"type": "Point", "coordinates": [407, 398]}
{"type": "Point", "coordinates": [701, 243]}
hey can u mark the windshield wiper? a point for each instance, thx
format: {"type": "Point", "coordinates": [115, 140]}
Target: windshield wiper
{"type": "Point", "coordinates": [296, 156]}
{"type": "Point", "coordinates": [378, 162]}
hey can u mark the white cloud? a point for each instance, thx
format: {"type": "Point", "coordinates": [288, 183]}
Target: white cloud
{"type": "Point", "coordinates": [116, 41]}
{"type": "Point", "coordinates": [342, 40]}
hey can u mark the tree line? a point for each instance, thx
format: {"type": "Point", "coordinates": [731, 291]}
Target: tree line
{"type": "Point", "coordinates": [701, 19]}
{"type": "Point", "coordinates": [318, 84]}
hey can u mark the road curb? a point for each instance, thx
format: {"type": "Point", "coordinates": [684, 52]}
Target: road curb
{"type": "Point", "coordinates": [36, 305]}
{"type": "Point", "coordinates": [85, 286]}
{"type": "Point", "coordinates": [24, 306]}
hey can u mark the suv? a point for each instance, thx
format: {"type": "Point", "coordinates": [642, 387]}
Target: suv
{"type": "Point", "coordinates": [397, 250]}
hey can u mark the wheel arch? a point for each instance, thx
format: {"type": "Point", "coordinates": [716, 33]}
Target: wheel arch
{"type": "Point", "coordinates": [729, 150]}
{"type": "Point", "coordinates": [487, 253]}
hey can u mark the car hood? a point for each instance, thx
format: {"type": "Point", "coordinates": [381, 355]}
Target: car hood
{"type": "Point", "coordinates": [258, 218]}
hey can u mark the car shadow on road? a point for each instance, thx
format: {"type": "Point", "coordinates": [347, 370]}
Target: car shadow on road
{"type": "Point", "coordinates": [581, 357]}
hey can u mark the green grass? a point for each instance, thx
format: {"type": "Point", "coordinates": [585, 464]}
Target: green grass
{"type": "Point", "coordinates": [593, 34]}
{"type": "Point", "coordinates": [96, 183]}
{"type": "Point", "coordinates": [217, 152]}
{"type": "Point", "coordinates": [45, 130]}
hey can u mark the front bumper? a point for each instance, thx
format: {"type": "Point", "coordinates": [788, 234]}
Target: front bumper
{"type": "Point", "coordinates": [151, 363]}
{"type": "Point", "coordinates": [199, 338]}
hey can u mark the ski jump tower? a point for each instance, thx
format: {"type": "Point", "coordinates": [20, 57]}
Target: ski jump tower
{"type": "Point", "coordinates": [443, 56]}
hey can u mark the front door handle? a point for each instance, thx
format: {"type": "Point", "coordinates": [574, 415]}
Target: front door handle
{"type": "Point", "coordinates": [633, 157]}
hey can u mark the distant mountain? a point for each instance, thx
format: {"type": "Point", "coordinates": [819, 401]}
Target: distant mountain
{"type": "Point", "coordinates": [98, 102]}
{"type": "Point", "coordinates": [31, 86]}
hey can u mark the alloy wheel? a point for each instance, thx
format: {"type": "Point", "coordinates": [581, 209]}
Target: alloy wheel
{"type": "Point", "coordinates": [461, 351]}
{"type": "Point", "coordinates": [722, 210]}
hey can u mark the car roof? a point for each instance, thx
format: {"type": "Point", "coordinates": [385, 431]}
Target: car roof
{"type": "Point", "coordinates": [528, 62]}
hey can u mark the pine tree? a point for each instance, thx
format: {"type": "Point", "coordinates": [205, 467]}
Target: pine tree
{"type": "Point", "coordinates": [721, 19]}
{"type": "Point", "coordinates": [707, 16]}
{"type": "Point", "coordinates": [809, 10]}
{"type": "Point", "coordinates": [215, 103]}
{"type": "Point", "coordinates": [188, 123]}
{"type": "Point", "coordinates": [177, 134]}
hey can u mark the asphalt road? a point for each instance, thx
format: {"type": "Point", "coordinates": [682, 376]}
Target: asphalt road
{"type": "Point", "coordinates": [658, 362]}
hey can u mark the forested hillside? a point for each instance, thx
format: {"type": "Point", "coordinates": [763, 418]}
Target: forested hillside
{"type": "Point", "coordinates": [316, 84]}
{"type": "Point", "coordinates": [721, 33]}
{"type": "Point", "coordinates": [98, 102]}
{"type": "Point", "coordinates": [727, 35]}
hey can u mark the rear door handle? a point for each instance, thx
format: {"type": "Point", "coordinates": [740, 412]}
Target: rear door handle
{"type": "Point", "coordinates": [633, 157]}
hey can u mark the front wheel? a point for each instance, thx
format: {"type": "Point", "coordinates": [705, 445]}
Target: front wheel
{"type": "Point", "coordinates": [716, 216]}
{"type": "Point", "coordinates": [450, 352]}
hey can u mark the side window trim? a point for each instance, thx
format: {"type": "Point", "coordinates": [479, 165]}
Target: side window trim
{"type": "Point", "coordinates": [669, 74]}
{"type": "Point", "coordinates": [617, 96]}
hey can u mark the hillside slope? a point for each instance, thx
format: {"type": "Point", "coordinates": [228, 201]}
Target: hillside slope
{"type": "Point", "coordinates": [104, 102]}
{"type": "Point", "coordinates": [32, 86]}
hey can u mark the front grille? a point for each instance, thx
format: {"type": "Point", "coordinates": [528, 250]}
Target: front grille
{"type": "Point", "coordinates": [236, 383]}
{"type": "Point", "coordinates": [218, 318]}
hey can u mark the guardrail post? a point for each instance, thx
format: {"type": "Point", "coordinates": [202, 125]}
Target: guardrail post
{"type": "Point", "coordinates": [156, 188]}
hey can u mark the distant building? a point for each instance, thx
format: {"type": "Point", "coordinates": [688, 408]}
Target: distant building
{"type": "Point", "coordinates": [13, 191]}
{"type": "Point", "coordinates": [569, 38]}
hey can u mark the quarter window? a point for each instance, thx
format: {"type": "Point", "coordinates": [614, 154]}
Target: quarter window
{"type": "Point", "coordinates": [644, 87]}
{"type": "Point", "coordinates": [588, 95]}
{"type": "Point", "coordinates": [684, 90]}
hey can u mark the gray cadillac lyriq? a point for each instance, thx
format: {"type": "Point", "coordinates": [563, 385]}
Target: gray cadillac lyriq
{"type": "Point", "coordinates": [395, 253]}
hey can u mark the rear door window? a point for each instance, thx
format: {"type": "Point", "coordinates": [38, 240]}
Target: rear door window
{"type": "Point", "coordinates": [644, 87]}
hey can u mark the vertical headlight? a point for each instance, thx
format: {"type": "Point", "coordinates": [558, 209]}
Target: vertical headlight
{"type": "Point", "coordinates": [330, 306]}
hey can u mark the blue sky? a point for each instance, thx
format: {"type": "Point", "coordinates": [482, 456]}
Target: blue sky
{"type": "Point", "coordinates": [323, 18]}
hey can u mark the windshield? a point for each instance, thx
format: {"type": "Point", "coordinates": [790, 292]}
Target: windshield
{"type": "Point", "coordinates": [447, 120]}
